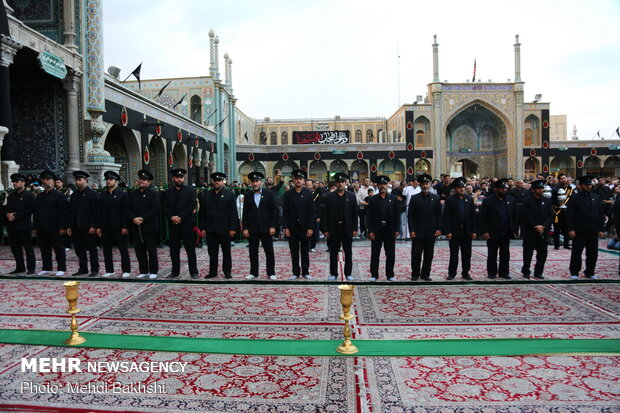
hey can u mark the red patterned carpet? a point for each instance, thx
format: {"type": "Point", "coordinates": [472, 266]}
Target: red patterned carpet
{"type": "Point", "coordinates": [239, 383]}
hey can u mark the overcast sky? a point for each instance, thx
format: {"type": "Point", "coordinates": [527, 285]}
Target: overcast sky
{"type": "Point", "coordinates": [297, 59]}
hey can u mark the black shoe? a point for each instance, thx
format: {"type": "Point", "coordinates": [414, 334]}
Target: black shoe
{"type": "Point", "coordinates": [79, 272]}
{"type": "Point", "coordinates": [451, 277]}
{"type": "Point", "coordinates": [427, 278]}
{"type": "Point", "coordinates": [526, 276]}
{"type": "Point", "coordinates": [539, 277]}
{"type": "Point", "coordinates": [30, 272]}
{"type": "Point", "coordinates": [172, 275]}
{"type": "Point", "coordinates": [93, 274]}
{"type": "Point", "coordinates": [567, 247]}
{"type": "Point", "coordinates": [195, 276]}
{"type": "Point", "coordinates": [467, 277]}
{"type": "Point", "coordinates": [505, 277]}
{"type": "Point", "coordinates": [17, 272]}
{"type": "Point", "coordinates": [210, 275]}
{"type": "Point", "coordinates": [491, 277]}
{"type": "Point", "coordinates": [556, 248]}
{"type": "Point", "coordinates": [415, 277]}
{"type": "Point", "coordinates": [227, 276]}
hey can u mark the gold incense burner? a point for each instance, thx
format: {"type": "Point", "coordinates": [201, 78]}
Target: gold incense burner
{"type": "Point", "coordinates": [346, 300]}
{"type": "Point", "coordinates": [71, 292]}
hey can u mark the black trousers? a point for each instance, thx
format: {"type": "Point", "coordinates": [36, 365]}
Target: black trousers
{"type": "Point", "coordinates": [362, 214]}
{"type": "Point", "coordinates": [383, 238]}
{"type": "Point", "coordinates": [299, 245]}
{"type": "Point", "coordinates": [83, 242]}
{"type": "Point", "coordinates": [589, 241]}
{"type": "Point", "coordinates": [22, 241]}
{"type": "Point", "coordinates": [315, 235]}
{"type": "Point", "coordinates": [109, 237]}
{"type": "Point", "coordinates": [336, 239]}
{"type": "Point", "coordinates": [531, 243]}
{"type": "Point", "coordinates": [214, 242]}
{"type": "Point", "coordinates": [183, 234]}
{"type": "Point", "coordinates": [503, 245]}
{"type": "Point", "coordinates": [146, 251]}
{"type": "Point", "coordinates": [462, 242]}
{"type": "Point", "coordinates": [560, 228]}
{"type": "Point", "coordinates": [421, 246]}
{"type": "Point", "coordinates": [267, 240]}
{"type": "Point", "coordinates": [47, 241]}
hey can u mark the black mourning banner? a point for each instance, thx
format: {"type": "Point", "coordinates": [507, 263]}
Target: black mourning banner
{"type": "Point", "coordinates": [322, 138]}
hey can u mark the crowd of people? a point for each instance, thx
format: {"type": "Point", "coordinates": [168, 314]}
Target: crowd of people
{"type": "Point", "coordinates": [548, 210]}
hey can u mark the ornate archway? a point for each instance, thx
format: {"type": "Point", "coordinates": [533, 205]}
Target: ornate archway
{"type": "Point", "coordinates": [121, 143]}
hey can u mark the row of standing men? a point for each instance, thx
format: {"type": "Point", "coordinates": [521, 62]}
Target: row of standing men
{"type": "Point", "coordinates": [111, 214]}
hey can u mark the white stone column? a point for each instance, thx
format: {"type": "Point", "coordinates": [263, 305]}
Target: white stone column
{"type": "Point", "coordinates": [69, 19]}
{"type": "Point", "coordinates": [72, 86]}
{"type": "Point", "coordinates": [517, 59]}
{"type": "Point", "coordinates": [439, 141]}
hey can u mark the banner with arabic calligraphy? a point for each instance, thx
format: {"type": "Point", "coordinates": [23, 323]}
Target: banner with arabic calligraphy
{"type": "Point", "coordinates": [335, 137]}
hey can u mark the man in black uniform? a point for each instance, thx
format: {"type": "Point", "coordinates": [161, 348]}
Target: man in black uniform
{"type": "Point", "coordinates": [383, 220]}
{"type": "Point", "coordinates": [559, 220]}
{"type": "Point", "coordinates": [219, 222]}
{"type": "Point", "coordinates": [424, 216]}
{"type": "Point", "coordinates": [584, 222]}
{"type": "Point", "coordinates": [519, 193]}
{"type": "Point", "coordinates": [260, 220]}
{"type": "Point", "coordinates": [299, 219]}
{"type": "Point", "coordinates": [82, 224]}
{"type": "Point", "coordinates": [18, 214]}
{"type": "Point", "coordinates": [536, 224]}
{"type": "Point", "coordinates": [113, 224]}
{"type": "Point", "coordinates": [179, 209]}
{"type": "Point", "coordinates": [49, 224]}
{"type": "Point", "coordinates": [144, 207]}
{"type": "Point", "coordinates": [339, 224]}
{"type": "Point", "coordinates": [459, 223]}
{"type": "Point", "coordinates": [498, 225]}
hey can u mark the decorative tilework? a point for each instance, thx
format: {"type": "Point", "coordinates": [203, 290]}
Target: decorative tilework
{"type": "Point", "coordinates": [94, 56]}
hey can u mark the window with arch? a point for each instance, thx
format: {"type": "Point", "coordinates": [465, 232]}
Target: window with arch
{"type": "Point", "coordinates": [530, 134]}
{"type": "Point", "coordinates": [419, 138]}
{"type": "Point", "coordinates": [284, 137]}
{"type": "Point", "coordinates": [263, 138]}
{"type": "Point", "coordinates": [273, 138]}
{"type": "Point", "coordinates": [369, 135]}
{"type": "Point", "coordinates": [195, 109]}
{"type": "Point", "coordinates": [358, 136]}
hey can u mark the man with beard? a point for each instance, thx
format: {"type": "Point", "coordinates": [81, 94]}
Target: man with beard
{"type": "Point", "coordinates": [260, 219]}
{"type": "Point", "coordinates": [424, 216]}
{"type": "Point", "coordinates": [49, 224]}
{"type": "Point", "coordinates": [559, 220]}
{"type": "Point", "coordinates": [584, 221]}
{"type": "Point", "coordinates": [83, 206]}
{"type": "Point", "coordinates": [339, 225]}
{"type": "Point", "coordinates": [179, 209]}
{"type": "Point", "coordinates": [383, 222]}
{"type": "Point", "coordinates": [219, 222]}
{"type": "Point", "coordinates": [144, 207]}
{"type": "Point", "coordinates": [18, 214]}
{"type": "Point", "coordinates": [498, 225]}
{"type": "Point", "coordinates": [459, 223]}
{"type": "Point", "coordinates": [536, 224]}
{"type": "Point", "coordinates": [113, 224]}
{"type": "Point", "coordinates": [299, 218]}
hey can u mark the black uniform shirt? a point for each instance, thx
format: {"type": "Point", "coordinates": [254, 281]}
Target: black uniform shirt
{"type": "Point", "coordinates": [340, 201]}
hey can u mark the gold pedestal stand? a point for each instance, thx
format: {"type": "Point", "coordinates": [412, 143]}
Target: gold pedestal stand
{"type": "Point", "coordinates": [346, 299]}
{"type": "Point", "coordinates": [71, 292]}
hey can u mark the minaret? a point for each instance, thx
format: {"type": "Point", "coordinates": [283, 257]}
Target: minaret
{"type": "Point", "coordinates": [212, 65]}
{"type": "Point", "coordinates": [217, 59]}
{"type": "Point", "coordinates": [435, 59]}
{"type": "Point", "coordinates": [517, 59]}
{"type": "Point", "coordinates": [227, 73]}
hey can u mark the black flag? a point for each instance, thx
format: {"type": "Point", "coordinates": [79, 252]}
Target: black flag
{"type": "Point", "coordinates": [179, 102]}
{"type": "Point", "coordinates": [245, 135]}
{"type": "Point", "coordinates": [222, 121]}
{"type": "Point", "coordinates": [618, 131]}
{"type": "Point", "coordinates": [162, 90]}
{"type": "Point", "coordinates": [136, 74]}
